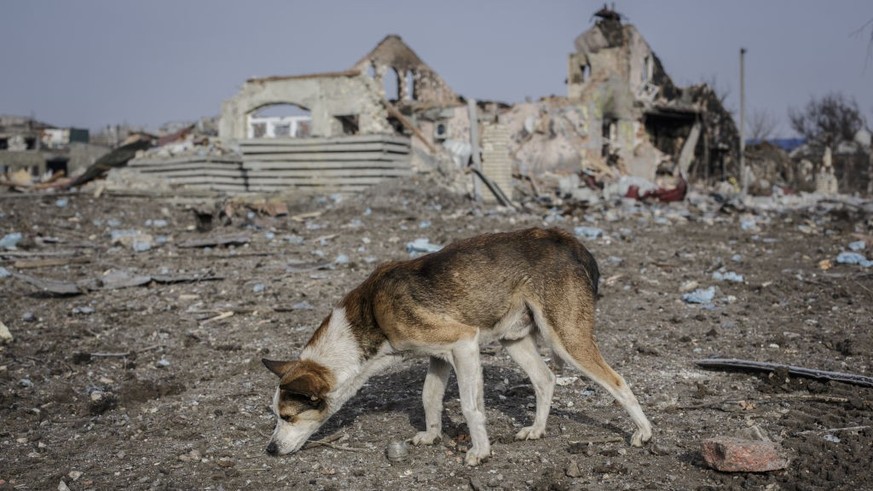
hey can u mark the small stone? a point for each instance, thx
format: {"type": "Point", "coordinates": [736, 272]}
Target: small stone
{"type": "Point", "coordinates": [86, 310]}
{"type": "Point", "coordinates": [397, 450]}
{"type": "Point", "coordinates": [29, 317]}
{"type": "Point", "coordinates": [4, 273]}
{"type": "Point", "coordinates": [659, 449]}
{"type": "Point", "coordinates": [5, 335]}
{"type": "Point", "coordinates": [26, 383]}
{"type": "Point", "coordinates": [163, 363]}
{"type": "Point", "coordinates": [62, 486]}
{"type": "Point", "coordinates": [259, 288]}
{"type": "Point", "coordinates": [75, 475]}
{"type": "Point", "coordinates": [573, 470]}
{"type": "Point", "coordinates": [739, 455]}
{"type": "Point", "coordinates": [688, 286]}
{"type": "Point", "coordinates": [101, 401]}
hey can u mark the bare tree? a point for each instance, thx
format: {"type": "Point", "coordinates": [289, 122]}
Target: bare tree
{"type": "Point", "coordinates": [762, 125]}
{"type": "Point", "coordinates": [831, 119]}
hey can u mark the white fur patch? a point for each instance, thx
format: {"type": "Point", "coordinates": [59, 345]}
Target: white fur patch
{"type": "Point", "coordinates": [337, 348]}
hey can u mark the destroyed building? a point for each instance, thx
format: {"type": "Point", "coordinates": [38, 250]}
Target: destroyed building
{"type": "Point", "coordinates": [38, 148]}
{"type": "Point", "coordinates": [390, 114]}
{"type": "Point", "coordinates": [623, 114]}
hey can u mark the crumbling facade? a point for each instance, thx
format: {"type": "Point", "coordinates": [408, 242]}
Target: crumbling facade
{"type": "Point", "coordinates": [633, 118]}
{"type": "Point", "coordinates": [38, 148]}
{"type": "Point", "coordinates": [341, 103]}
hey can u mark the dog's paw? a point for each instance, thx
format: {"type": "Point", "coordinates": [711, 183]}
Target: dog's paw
{"type": "Point", "coordinates": [475, 456]}
{"type": "Point", "coordinates": [639, 437]}
{"type": "Point", "coordinates": [426, 438]}
{"type": "Point", "coordinates": [530, 433]}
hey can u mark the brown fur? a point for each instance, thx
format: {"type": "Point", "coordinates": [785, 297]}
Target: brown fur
{"type": "Point", "coordinates": [444, 296]}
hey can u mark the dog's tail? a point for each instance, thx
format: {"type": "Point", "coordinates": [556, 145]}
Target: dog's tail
{"type": "Point", "coordinates": [589, 264]}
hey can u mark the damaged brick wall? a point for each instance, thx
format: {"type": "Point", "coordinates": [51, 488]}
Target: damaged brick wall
{"type": "Point", "coordinates": [428, 88]}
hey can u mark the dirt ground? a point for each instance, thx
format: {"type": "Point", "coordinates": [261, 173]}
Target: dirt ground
{"type": "Point", "coordinates": [160, 386]}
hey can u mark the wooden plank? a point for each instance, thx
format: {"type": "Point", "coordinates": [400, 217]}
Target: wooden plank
{"type": "Point", "coordinates": [253, 182]}
{"type": "Point", "coordinates": [338, 139]}
{"type": "Point", "coordinates": [327, 156]}
{"type": "Point", "coordinates": [265, 166]}
{"type": "Point", "coordinates": [351, 147]}
{"type": "Point", "coordinates": [194, 172]}
{"type": "Point", "coordinates": [190, 165]}
{"type": "Point", "coordinates": [330, 173]}
{"type": "Point", "coordinates": [317, 189]}
{"type": "Point", "coordinates": [183, 160]}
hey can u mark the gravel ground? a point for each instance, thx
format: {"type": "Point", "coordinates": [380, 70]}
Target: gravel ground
{"type": "Point", "coordinates": [160, 385]}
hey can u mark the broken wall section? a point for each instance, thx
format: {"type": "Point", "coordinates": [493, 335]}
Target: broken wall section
{"type": "Point", "coordinates": [340, 104]}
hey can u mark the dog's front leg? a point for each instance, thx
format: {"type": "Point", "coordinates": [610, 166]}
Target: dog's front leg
{"type": "Point", "coordinates": [432, 397]}
{"type": "Point", "coordinates": [468, 369]}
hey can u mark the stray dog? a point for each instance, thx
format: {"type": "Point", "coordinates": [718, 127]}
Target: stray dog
{"type": "Point", "coordinates": [512, 287]}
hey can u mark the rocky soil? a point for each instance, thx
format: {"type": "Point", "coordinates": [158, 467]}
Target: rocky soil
{"type": "Point", "coordinates": [148, 375]}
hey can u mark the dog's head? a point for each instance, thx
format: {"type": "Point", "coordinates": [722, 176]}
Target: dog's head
{"type": "Point", "coordinates": [300, 403]}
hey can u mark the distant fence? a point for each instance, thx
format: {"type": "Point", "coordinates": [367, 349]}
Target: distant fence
{"type": "Point", "coordinates": [345, 164]}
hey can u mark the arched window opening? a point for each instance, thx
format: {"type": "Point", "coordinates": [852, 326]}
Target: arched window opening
{"type": "Point", "coordinates": [391, 82]}
{"type": "Point", "coordinates": [279, 121]}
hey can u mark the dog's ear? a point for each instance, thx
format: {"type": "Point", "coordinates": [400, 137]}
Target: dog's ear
{"type": "Point", "coordinates": [313, 385]}
{"type": "Point", "coordinates": [278, 367]}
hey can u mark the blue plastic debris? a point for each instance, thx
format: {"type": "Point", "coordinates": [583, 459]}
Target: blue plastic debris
{"type": "Point", "coordinates": [302, 305]}
{"type": "Point", "coordinates": [4, 273]}
{"type": "Point", "coordinates": [858, 245]}
{"type": "Point", "coordinates": [420, 245]}
{"type": "Point", "coordinates": [854, 258]}
{"type": "Point", "coordinates": [294, 239]}
{"type": "Point", "coordinates": [259, 288]}
{"type": "Point", "coordinates": [142, 243]}
{"type": "Point", "coordinates": [62, 202]}
{"type": "Point", "coordinates": [701, 295]}
{"type": "Point", "coordinates": [158, 223]}
{"type": "Point", "coordinates": [727, 276]}
{"type": "Point", "coordinates": [341, 259]}
{"type": "Point", "coordinates": [10, 241]}
{"type": "Point", "coordinates": [748, 223]}
{"type": "Point", "coordinates": [588, 232]}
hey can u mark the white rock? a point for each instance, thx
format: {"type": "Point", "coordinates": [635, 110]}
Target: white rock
{"type": "Point", "coordinates": [5, 335]}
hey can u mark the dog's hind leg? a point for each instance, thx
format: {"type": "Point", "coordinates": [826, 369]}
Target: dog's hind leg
{"type": "Point", "coordinates": [582, 353]}
{"type": "Point", "coordinates": [524, 352]}
{"type": "Point", "coordinates": [432, 397]}
{"type": "Point", "coordinates": [465, 358]}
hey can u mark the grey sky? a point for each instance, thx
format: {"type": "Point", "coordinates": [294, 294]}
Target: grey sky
{"type": "Point", "coordinates": [90, 63]}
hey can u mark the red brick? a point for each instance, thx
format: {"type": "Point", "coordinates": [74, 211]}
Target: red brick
{"type": "Point", "coordinates": [738, 455]}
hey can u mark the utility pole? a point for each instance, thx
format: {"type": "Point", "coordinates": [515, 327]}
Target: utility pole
{"type": "Point", "coordinates": [744, 179]}
{"type": "Point", "coordinates": [474, 143]}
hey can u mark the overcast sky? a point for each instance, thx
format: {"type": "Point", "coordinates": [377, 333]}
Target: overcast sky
{"type": "Point", "coordinates": [90, 63]}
